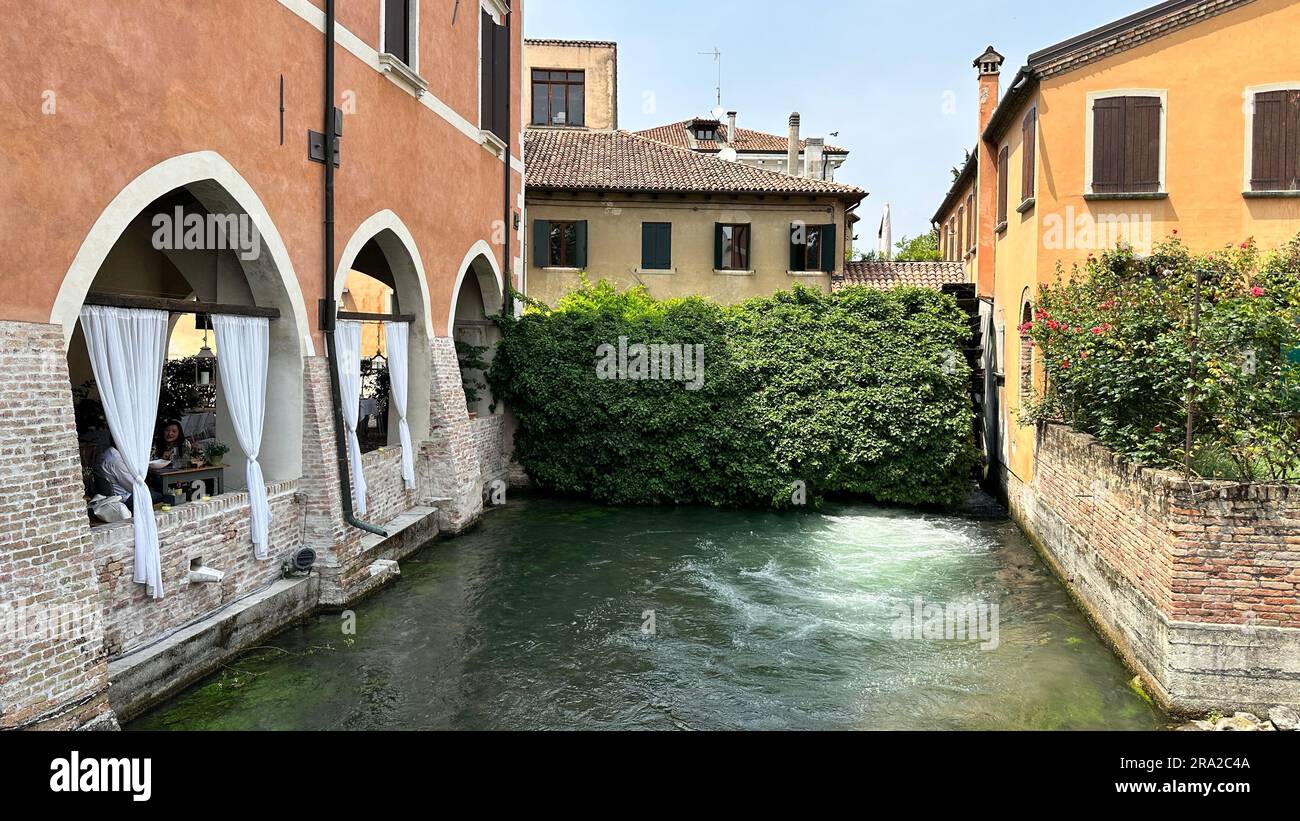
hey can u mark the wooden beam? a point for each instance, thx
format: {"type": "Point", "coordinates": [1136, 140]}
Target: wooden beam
{"type": "Point", "coordinates": [361, 317]}
{"type": "Point", "coordinates": [178, 306]}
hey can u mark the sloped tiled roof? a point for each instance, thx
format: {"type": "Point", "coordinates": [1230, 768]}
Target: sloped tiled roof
{"type": "Point", "coordinates": [550, 41]}
{"type": "Point", "coordinates": [678, 134]}
{"type": "Point", "coordinates": [567, 159]}
{"type": "Point", "coordinates": [884, 275]}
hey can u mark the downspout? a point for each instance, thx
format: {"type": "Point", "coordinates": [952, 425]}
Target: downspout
{"type": "Point", "coordinates": [508, 299]}
{"type": "Point", "coordinates": [329, 305]}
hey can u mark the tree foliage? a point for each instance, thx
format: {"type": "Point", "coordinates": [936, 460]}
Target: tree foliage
{"type": "Point", "coordinates": [858, 392]}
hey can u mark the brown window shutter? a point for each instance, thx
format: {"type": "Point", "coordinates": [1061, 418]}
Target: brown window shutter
{"type": "Point", "coordinates": [1141, 145]}
{"type": "Point", "coordinates": [971, 224]}
{"type": "Point", "coordinates": [1003, 159]}
{"type": "Point", "coordinates": [1029, 144]}
{"type": "Point", "coordinates": [1292, 167]}
{"type": "Point", "coordinates": [1107, 145]}
{"type": "Point", "coordinates": [1268, 141]}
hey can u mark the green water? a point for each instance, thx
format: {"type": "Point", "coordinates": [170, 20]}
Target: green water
{"type": "Point", "coordinates": [539, 619]}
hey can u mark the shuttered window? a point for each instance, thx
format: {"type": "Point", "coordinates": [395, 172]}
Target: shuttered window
{"type": "Point", "coordinates": [560, 243]}
{"type": "Point", "coordinates": [812, 247]}
{"type": "Point", "coordinates": [1275, 141]}
{"type": "Point", "coordinates": [1126, 145]}
{"type": "Point", "coordinates": [1004, 168]}
{"type": "Point", "coordinates": [731, 247]}
{"type": "Point", "coordinates": [397, 29]}
{"type": "Point", "coordinates": [657, 246]}
{"type": "Point", "coordinates": [972, 224]}
{"type": "Point", "coordinates": [495, 79]}
{"type": "Point", "coordinates": [961, 233]}
{"type": "Point", "coordinates": [1028, 154]}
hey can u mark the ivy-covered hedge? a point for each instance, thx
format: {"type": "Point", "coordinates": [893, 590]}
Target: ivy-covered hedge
{"type": "Point", "coordinates": [860, 392]}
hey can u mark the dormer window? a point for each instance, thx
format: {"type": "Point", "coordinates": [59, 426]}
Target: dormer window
{"type": "Point", "coordinates": [706, 131]}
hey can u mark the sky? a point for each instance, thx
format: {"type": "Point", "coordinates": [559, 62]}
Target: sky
{"type": "Point", "coordinates": [892, 77]}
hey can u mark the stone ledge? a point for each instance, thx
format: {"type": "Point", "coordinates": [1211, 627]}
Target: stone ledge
{"type": "Point", "coordinates": [145, 677]}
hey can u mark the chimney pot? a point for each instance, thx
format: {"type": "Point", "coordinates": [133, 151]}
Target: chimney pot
{"type": "Point", "coordinates": [812, 161]}
{"type": "Point", "coordinates": [731, 128]}
{"type": "Point", "coordinates": [792, 151]}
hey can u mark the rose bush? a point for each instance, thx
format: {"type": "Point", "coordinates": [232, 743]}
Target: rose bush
{"type": "Point", "coordinates": [1126, 355]}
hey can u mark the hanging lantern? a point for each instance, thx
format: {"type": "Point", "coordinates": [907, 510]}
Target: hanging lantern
{"type": "Point", "coordinates": [205, 361]}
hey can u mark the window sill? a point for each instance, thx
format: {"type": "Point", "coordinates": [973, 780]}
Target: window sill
{"type": "Point", "coordinates": [1270, 195]}
{"type": "Point", "coordinates": [1146, 195]}
{"type": "Point", "coordinates": [734, 272]}
{"type": "Point", "coordinates": [559, 269]}
{"type": "Point", "coordinates": [1000, 228]}
{"type": "Point", "coordinates": [492, 143]}
{"type": "Point", "coordinates": [658, 271]}
{"type": "Point", "coordinates": [404, 74]}
{"type": "Point", "coordinates": [1027, 205]}
{"type": "Point", "coordinates": [808, 273]}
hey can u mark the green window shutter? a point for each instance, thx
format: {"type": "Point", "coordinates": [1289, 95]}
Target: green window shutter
{"type": "Point", "coordinates": [656, 246]}
{"type": "Point", "coordinates": [830, 249]}
{"type": "Point", "coordinates": [666, 245]}
{"type": "Point", "coordinates": [581, 228]}
{"type": "Point", "coordinates": [796, 249]}
{"type": "Point", "coordinates": [648, 244]}
{"type": "Point", "coordinates": [717, 246]}
{"type": "Point", "coordinates": [541, 243]}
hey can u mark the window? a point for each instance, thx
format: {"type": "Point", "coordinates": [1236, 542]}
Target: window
{"type": "Point", "coordinates": [559, 97]}
{"type": "Point", "coordinates": [971, 225]}
{"type": "Point", "coordinates": [656, 246]}
{"type": "Point", "coordinates": [731, 247]}
{"type": "Point", "coordinates": [959, 233]}
{"type": "Point", "coordinates": [1004, 168]}
{"type": "Point", "coordinates": [812, 247]}
{"type": "Point", "coordinates": [1028, 149]}
{"type": "Point", "coordinates": [1126, 144]}
{"type": "Point", "coordinates": [399, 30]}
{"type": "Point", "coordinates": [1275, 141]}
{"type": "Point", "coordinates": [1026, 351]}
{"type": "Point", "coordinates": [494, 79]}
{"type": "Point", "coordinates": [706, 133]}
{"type": "Point", "coordinates": [560, 243]}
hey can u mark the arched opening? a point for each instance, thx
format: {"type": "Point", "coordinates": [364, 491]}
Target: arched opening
{"type": "Point", "coordinates": [381, 278]}
{"type": "Point", "coordinates": [193, 245]}
{"type": "Point", "coordinates": [478, 296]}
{"type": "Point", "coordinates": [1026, 348]}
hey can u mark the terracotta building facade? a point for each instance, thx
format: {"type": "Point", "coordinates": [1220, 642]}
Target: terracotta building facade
{"type": "Point", "coordinates": [127, 117]}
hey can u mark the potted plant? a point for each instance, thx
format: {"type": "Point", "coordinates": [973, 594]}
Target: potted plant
{"type": "Point", "coordinates": [214, 452]}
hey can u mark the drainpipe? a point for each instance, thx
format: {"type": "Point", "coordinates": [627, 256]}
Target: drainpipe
{"type": "Point", "coordinates": [508, 300]}
{"type": "Point", "coordinates": [329, 305]}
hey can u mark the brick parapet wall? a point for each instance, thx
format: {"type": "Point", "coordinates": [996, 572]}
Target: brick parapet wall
{"type": "Point", "coordinates": [46, 674]}
{"type": "Point", "coordinates": [217, 532]}
{"type": "Point", "coordinates": [1213, 552]}
{"type": "Point", "coordinates": [449, 472]}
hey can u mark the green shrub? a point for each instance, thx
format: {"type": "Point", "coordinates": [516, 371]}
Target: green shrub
{"type": "Point", "coordinates": [1118, 342]}
{"type": "Point", "coordinates": [858, 392]}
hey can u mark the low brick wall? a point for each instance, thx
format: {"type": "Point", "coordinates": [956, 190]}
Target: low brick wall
{"type": "Point", "coordinates": [216, 531]}
{"type": "Point", "coordinates": [488, 441]}
{"type": "Point", "coordinates": [1197, 585]}
{"type": "Point", "coordinates": [386, 493]}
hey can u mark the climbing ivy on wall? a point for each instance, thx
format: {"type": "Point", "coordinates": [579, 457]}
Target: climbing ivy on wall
{"type": "Point", "coordinates": [783, 398]}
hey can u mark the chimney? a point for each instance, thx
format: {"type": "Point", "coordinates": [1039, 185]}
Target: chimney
{"type": "Point", "coordinates": [792, 154]}
{"type": "Point", "coordinates": [989, 66]}
{"type": "Point", "coordinates": [731, 128]}
{"type": "Point", "coordinates": [812, 161]}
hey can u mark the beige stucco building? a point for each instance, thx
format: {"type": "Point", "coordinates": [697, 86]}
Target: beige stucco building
{"type": "Point", "coordinates": [571, 83]}
{"type": "Point", "coordinates": [621, 207]}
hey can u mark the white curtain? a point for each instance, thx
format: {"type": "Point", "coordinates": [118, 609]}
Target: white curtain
{"type": "Point", "coordinates": [127, 349]}
{"type": "Point", "coordinates": [243, 348]}
{"type": "Point", "coordinates": [347, 340]}
{"type": "Point", "coordinates": [397, 336]}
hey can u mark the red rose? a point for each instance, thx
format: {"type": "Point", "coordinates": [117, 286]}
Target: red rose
{"type": "Point", "coordinates": [1257, 291]}
{"type": "Point", "coordinates": [1097, 331]}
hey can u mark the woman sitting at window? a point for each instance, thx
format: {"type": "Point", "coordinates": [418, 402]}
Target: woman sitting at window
{"type": "Point", "coordinates": [172, 446]}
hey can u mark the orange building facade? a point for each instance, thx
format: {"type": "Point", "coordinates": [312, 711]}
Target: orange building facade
{"type": "Point", "coordinates": [1172, 119]}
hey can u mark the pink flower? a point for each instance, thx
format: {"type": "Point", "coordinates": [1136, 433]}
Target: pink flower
{"type": "Point", "coordinates": [1098, 331]}
{"type": "Point", "coordinates": [1053, 324]}
{"type": "Point", "coordinates": [1257, 291]}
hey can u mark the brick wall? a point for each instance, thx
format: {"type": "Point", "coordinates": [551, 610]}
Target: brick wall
{"type": "Point", "coordinates": [449, 461]}
{"type": "Point", "coordinates": [1198, 585]}
{"type": "Point", "coordinates": [55, 676]}
{"type": "Point", "coordinates": [217, 532]}
{"type": "Point", "coordinates": [488, 435]}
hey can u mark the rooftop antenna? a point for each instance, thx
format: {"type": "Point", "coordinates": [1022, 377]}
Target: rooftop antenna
{"type": "Point", "coordinates": [717, 58]}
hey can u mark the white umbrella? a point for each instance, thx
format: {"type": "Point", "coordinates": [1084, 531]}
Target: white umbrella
{"type": "Point", "coordinates": [886, 236]}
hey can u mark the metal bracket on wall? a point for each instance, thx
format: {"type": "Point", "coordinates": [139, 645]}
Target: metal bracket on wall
{"type": "Point", "coordinates": [316, 141]}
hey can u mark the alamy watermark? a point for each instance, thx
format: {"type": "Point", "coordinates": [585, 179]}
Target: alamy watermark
{"type": "Point", "coordinates": [667, 361]}
{"type": "Point", "coordinates": [179, 231]}
{"type": "Point", "coordinates": [1084, 232]}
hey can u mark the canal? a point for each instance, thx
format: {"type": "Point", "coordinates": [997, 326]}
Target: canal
{"type": "Point", "coordinates": [558, 614]}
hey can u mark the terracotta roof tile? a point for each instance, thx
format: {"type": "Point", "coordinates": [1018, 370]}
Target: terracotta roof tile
{"type": "Point", "coordinates": [621, 161]}
{"type": "Point", "coordinates": [678, 134]}
{"type": "Point", "coordinates": [884, 275]}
